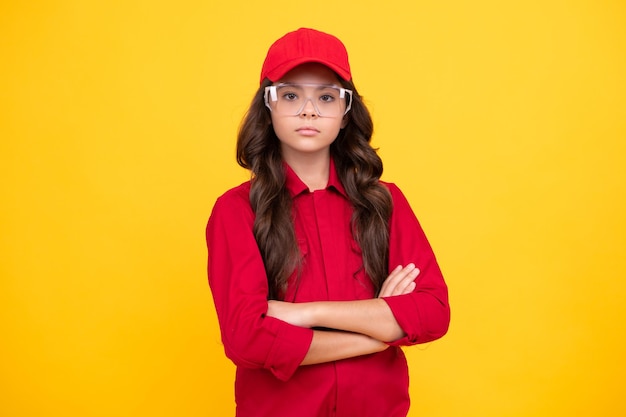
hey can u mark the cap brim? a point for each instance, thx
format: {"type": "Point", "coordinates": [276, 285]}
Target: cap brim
{"type": "Point", "coordinates": [280, 71]}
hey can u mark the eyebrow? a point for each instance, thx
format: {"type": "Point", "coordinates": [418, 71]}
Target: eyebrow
{"type": "Point", "coordinates": [319, 86]}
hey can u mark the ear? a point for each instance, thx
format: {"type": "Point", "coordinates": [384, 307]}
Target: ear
{"type": "Point", "coordinates": [344, 122]}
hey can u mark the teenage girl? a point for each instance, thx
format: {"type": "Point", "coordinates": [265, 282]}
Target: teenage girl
{"type": "Point", "coordinates": [319, 271]}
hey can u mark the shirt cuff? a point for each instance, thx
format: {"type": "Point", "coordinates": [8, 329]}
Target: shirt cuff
{"type": "Point", "coordinates": [290, 346]}
{"type": "Point", "coordinates": [404, 310]}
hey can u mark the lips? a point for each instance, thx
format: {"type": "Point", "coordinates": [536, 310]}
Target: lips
{"type": "Point", "coordinates": [307, 130]}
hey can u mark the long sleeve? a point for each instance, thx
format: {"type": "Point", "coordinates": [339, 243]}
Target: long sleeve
{"type": "Point", "coordinates": [239, 287]}
{"type": "Point", "coordinates": [424, 314]}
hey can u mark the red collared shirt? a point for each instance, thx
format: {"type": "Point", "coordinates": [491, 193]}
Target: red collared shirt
{"type": "Point", "coordinates": [268, 351]}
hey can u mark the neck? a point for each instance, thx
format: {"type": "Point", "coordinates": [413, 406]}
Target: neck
{"type": "Point", "coordinates": [313, 170]}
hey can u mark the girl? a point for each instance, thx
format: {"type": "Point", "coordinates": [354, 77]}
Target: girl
{"type": "Point", "coordinates": [319, 271]}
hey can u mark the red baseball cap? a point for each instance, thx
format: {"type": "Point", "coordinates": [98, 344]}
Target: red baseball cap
{"type": "Point", "coordinates": [302, 46]}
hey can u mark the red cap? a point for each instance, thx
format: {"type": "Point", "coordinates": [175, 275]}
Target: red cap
{"type": "Point", "coordinates": [305, 45]}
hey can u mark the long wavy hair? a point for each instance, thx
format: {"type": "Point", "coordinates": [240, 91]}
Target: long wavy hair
{"type": "Point", "coordinates": [358, 167]}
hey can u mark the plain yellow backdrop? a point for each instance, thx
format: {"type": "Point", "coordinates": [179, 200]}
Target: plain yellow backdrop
{"type": "Point", "coordinates": [503, 122]}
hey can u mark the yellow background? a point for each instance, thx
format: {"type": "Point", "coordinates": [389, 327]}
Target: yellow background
{"type": "Point", "coordinates": [503, 122]}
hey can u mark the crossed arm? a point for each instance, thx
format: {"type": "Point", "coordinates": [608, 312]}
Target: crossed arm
{"type": "Point", "coordinates": [362, 326]}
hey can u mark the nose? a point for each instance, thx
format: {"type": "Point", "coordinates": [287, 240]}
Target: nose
{"type": "Point", "coordinates": [308, 109]}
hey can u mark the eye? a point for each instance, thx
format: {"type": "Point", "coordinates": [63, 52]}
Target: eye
{"type": "Point", "coordinates": [327, 98]}
{"type": "Point", "coordinates": [290, 96]}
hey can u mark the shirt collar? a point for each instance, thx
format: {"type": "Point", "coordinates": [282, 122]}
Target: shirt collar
{"type": "Point", "coordinates": [295, 186]}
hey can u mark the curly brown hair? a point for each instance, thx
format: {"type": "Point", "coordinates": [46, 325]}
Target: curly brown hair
{"type": "Point", "coordinates": [359, 169]}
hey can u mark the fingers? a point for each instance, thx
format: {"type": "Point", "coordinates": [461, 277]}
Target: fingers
{"type": "Point", "coordinates": [297, 314]}
{"type": "Point", "coordinates": [271, 308]}
{"type": "Point", "coordinates": [400, 281]}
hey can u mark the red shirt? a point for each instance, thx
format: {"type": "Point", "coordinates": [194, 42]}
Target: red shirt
{"type": "Point", "coordinates": [268, 351]}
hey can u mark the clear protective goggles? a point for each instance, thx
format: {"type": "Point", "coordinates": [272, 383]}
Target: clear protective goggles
{"type": "Point", "coordinates": [287, 99]}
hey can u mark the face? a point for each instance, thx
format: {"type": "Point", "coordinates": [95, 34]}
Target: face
{"type": "Point", "coordinates": [307, 134]}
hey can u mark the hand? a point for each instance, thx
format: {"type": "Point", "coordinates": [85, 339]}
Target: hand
{"type": "Point", "coordinates": [400, 281]}
{"type": "Point", "coordinates": [292, 313]}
